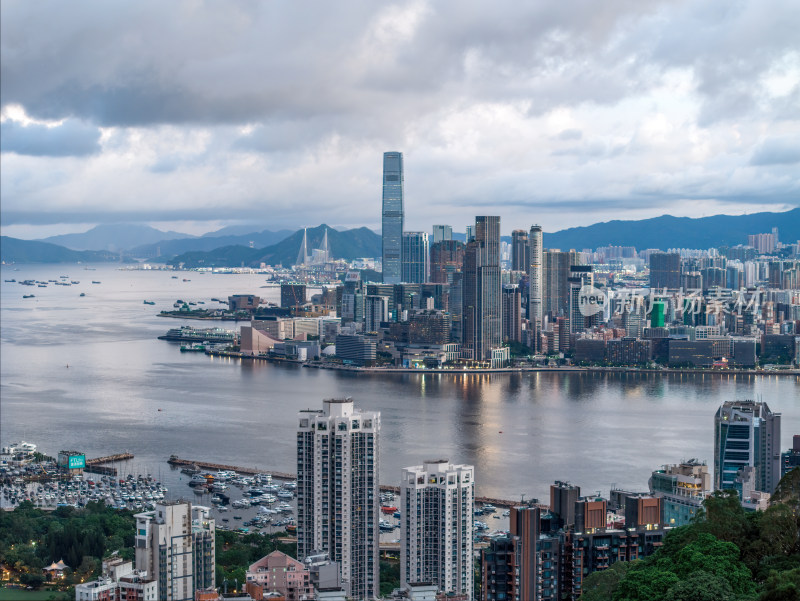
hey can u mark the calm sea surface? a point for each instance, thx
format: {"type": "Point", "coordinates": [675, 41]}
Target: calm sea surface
{"type": "Point", "coordinates": [88, 373]}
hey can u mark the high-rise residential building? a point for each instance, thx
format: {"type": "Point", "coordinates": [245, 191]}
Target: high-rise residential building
{"type": "Point", "coordinates": [482, 305]}
{"type": "Point", "coordinates": [392, 225]}
{"type": "Point", "coordinates": [665, 270]}
{"type": "Point", "coordinates": [175, 546]}
{"type": "Point", "coordinates": [763, 243]}
{"type": "Point", "coordinates": [520, 251]}
{"type": "Point", "coordinates": [376, 310]}
{"type": "Point", "coordinates": [338, 492]}
{"type": "Point", "coordinates": [555, 288]}
{"type": "Point", "coordinates": [525, 524]}
{"type": "Point", "coordinates": [512, 313]}
{"type": "Point", "coordinates": [447, 258]}
{"type": "Point", "coordinates": [747, 434]}
{"type": "Point", "coordinates": [436, 525]}
{"type": "Point", "coordinates": [535, 315]}
{"type": "Point", "coordinates": [579, 276]}
{"type": "Point", "coordinates": [442, 232]}
{"type": "Point", "coordinates": [416, 258]}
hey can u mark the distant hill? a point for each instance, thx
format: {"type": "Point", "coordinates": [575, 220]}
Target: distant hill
{"type": "Point", "coordinates": [210, 241]}
{"type": "Point", "coordinates": [677, 232]}
{"type": "Point", "coordinates": [348, 244]}
{"type": "Point", "coordinates": [14, 250]}
{"type": "Point", "coordinates": [113, 237]}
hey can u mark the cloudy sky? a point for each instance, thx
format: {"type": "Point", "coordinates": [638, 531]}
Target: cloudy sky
{"type": "Point", "coordinates": [192, 115]}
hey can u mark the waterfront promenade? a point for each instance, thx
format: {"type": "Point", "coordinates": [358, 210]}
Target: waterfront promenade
{"type": "Point", "coordinates": [505, 370]}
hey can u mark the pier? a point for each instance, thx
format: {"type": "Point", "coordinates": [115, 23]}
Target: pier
{"type": "Point", "coordinates": [177, 461]}
{"type": "Point", "coordinates": [98, 464]}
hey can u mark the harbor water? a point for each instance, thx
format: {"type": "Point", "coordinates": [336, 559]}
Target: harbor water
{"type": "Point", "coordinates": [88, 373]}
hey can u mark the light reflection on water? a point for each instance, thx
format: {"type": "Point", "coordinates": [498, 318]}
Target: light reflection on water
{"type": "Point", "coordinates": [522, 431]}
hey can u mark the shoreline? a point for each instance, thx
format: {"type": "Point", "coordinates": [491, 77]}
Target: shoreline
{"type": "Point", "coordinates": [509, 370]}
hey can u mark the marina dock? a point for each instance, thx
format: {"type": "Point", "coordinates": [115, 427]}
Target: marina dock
{"type": "Point", "coordinates": [177, 461]}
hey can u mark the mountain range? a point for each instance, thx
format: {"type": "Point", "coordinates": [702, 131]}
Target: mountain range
{"type": "Point", "coordinates": [235, 245]}
{"type": "Point", "coordinates": [678, 232]}
{"type": "Point", "coordinates": [347, 244]}
{"type": "Point", "coordinates": [14, 250]}
{"type": "Point", "coordinates": [113, 237]}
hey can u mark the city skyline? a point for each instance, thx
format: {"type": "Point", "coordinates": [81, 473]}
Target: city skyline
{"type": "Point", "coordinates": [544, 114]}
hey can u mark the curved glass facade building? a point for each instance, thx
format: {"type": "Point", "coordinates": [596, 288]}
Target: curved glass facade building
{"type": "Point", "coordinates": [392, 225]}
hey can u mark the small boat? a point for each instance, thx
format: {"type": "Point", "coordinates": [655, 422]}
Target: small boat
{"type": "Point", "coordinates": [11, 280]}
{"type": "Point", "coordinates": [185, 280]}
{"type": "Point", "coordinates": [147, 302]}
{"type": "Point", "coordinates": [74, 282]}
{"type": "Point", "coordinates": [42, 285]}
{"type": "Point", "coordinates": [174, 277]}
{"type": "Point", "coordinates": [95, 282]}
{"type": "Point", "coordinates": [28, 296]}
{"type": "Point", "coordinates": [83, 294]}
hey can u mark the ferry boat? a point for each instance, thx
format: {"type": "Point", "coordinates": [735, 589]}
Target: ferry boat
{"type": "Point", "coordinates": [190, 334]}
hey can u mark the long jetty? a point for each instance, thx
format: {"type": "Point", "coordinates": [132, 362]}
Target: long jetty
{"type": "Point", "coordinates": [177, 461]}
{"type": "Point", "coordinates": [98, 464]}
{"type": "Point", "coordinates": [109, 459]}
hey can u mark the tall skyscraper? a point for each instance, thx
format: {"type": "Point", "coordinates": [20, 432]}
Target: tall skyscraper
{"type": "Point", "coordinates": [520, 251]}
{"type": "Point", "coordinates": [175, 545]}
{"type": "Point", "coordinates": [416, 258]}
{"type": "Point", "coordinates": [392, 227]}
{"type": "Point", "coordinates": [555, 273]}
{"type": "Point", "coordinates": [442, 232]}
{"type": "Point", "coordinates": [447, 257]}
{"type": "Point", "coordinates": [482, 304]}
{"type": "Point", "coordinates": [525, 524]}
{"type": "Point", "coordinates": [747, 434]}
{"type": "Point", "coordinates": [512, 313]}
{"type": "Point", "coordinates": [436, 525]}
{"type": "Point", "coordinates": [665, 270]}
{"type": "Point", "coordinates": [579, 276]}
{"type": "Point", "coordinates": [535, 316]}
{"type": "Point", "coordinates": [338, 492]}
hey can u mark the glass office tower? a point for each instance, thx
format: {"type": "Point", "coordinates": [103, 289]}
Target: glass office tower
{"type": "Point", "coordinates": [392, 231]}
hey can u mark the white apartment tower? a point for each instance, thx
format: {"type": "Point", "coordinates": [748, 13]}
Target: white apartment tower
{"type": "Point", "coordinates": [175, 547]}
{"type": "Point", "coordinates": [437, 501]}
{"type": "Point", "coordinates": [535, 283]}
{"type": "Point", "coordinates": [338, 491]}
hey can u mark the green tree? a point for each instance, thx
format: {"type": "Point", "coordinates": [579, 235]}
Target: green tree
{"type": "Point", "coordinates": [782, 586]}
{"type": "Point", "coordinates": [600, 586]}
{"type": "Point", "coordinates": [701, 586]}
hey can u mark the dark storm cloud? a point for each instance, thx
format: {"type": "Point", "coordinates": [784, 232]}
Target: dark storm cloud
{"type": "Point", "coordinates": [71, 138]}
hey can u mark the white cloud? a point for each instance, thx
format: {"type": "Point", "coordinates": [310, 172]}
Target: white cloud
{"type": "Point", "coordinates": [561, 113]}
